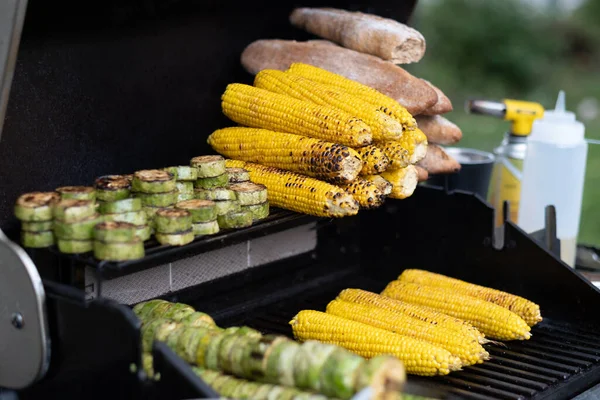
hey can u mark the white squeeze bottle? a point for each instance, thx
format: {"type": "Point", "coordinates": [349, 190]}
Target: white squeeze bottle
{"type": "Point", "coordinates": [553, 174]}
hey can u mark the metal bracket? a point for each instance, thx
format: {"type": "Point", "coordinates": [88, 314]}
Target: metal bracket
{"type": "Point", "coordinates": [24, 340]}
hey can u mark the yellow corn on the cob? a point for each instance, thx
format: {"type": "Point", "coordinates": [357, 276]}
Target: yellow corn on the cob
{"type": "Point", "coordinates": [494, 321]}
{"type": "Point", "coordinates": [383, 127]}
{"type": "Point", "coordinates": [374, 160]}
{"type": "Point", "coordinates": [366, 93]}
{"type": "Point", "coordinates": [382, 184]}
{"type": "Point", "coordinates": [312, 157]}
{"type": "Point", "coordinates": [466, 348]}
{"type": "Point", "coordinates": [404, 181]}
{"type": "Point", "coordinates": [410, 149]}
{"type": "Point", "coordinates": [419, 357]}
{"type": "Point", "coordinates": [526, 309]}
{"type": "Point", "coordinates": [421, 313]}
{"type": "Point", "coordinates": [366, 193]}
{"type": "Point", "coordinates": [259, 108]}
{"type": "Point", "coordinates": [299, 193]}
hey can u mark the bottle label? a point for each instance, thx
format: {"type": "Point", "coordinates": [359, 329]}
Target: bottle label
{"type": "Point", "coordinates": [506, 186]}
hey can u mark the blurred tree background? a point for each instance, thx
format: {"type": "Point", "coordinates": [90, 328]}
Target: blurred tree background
{"type": "Point", "coordinates": [511, 49]}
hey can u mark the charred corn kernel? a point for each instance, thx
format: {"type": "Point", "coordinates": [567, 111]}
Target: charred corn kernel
{"type": "Point", "coordinates": [383, 127]}
{"type": "Point", "coordinates": [526, 309]}
{"type": "Point", "coordinates": [373, 159]}
{"type": "Point", "coordinates": [404, 181]}
{"type": "Point", "coordinates": [366, 193]}
{"type": "Point", "coordinates": [259, 108]}
{"type": "Point", "coordinates": [419, 357]}
{"type": "Point", "coordinates": [382, 184]}
{"type": "Point", "coordinates": [384, 103]}
{"type": "Point", "coordinates": [300, 193]}
{"type": "Point", "coordinates": [410, 149]}
{"type": "Point", "coordinates": [422, 313]}
{"type": "Point", "coordinates": [495, 321]}
{"type": "Point", "coordinates": [466, 348]}
{"type": "Point", "coordinates": [312, 157]}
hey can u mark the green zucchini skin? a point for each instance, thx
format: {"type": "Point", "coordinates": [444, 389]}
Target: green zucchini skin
{"type": "Point", "coordinates": [309, 363]}
{"type": "Point", "coordinates": [184, 187]}
{"type": "Point", "coordinates": [339, 373]}
{"type": "Point", "coordinates": [215, 194]}
{"type": "Point", "coordinates": [249, 193]}
{"type": "Point", "coordinates": [37, 240]}
{"type": "Point", "coordinates": [185, 196]}
{"type": "Point", "coordinates": [236, 219]}
{"type": "Point", "coordinates": [111, 231]}
{"type": "Point", "coordinates": [205, 228]}
{"type": "Point", "coordinates": [280, 363]}
{"type": "Point", "coordinates": [143, 232]}
{"type": "Point", "coordinates": [201, 210]}
{"type": "Point", "coordinates": [80, 230]}
{"type": "Point", "coordinates": [36, 226]}
{"type": "Point", "coordinates": [112, 187]}
{"type": "Point", "coordinates": [120, 206]}
{"type": "Point", "coordinates": [237, 175]}
{"type": "Point", "coordinates": [258, 211]}
{"type": "Point", "coordinates": [133, 217]}
{"type": "Point", "coordinates": [172, 220]}
{"type": "Point", "coordinates": [175, 239]}
{"type": "Point", "coordinates": [118, 251]}
{"type": "Point", "coordinates": [183, 172]}
{"type": "Point", "coordinates": [36, 206]}
{"type": "Point", "coordinates": [165, 199]}
{"type": "Point", "coordinates": [73, 210]}
{"type": "Point", "coordinates": [77, 192]}
{"type": "Point", "coordinates": [71, 246]}
{"type": "Point", "coordinates": [226, 206]}
{"type": "Point", "coordinates": [153, 181]}
{"type": "Point", "coordinates": [209, 166]}
{"type": "Point", "coordinates": [214, 182]}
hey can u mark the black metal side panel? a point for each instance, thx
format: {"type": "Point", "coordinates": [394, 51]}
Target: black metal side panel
{"type": "Point", "coordinates": [114, 86]}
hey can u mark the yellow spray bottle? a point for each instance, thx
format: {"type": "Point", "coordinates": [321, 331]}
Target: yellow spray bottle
{"type": "Point", "coordinates": [505, 184]}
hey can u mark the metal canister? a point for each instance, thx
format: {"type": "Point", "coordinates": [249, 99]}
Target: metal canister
{"type": "Point", "coordinates": [505, 184]}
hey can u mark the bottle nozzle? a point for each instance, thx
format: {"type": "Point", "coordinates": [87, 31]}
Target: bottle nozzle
{"type": "Point", "coordinates": [560, 102]}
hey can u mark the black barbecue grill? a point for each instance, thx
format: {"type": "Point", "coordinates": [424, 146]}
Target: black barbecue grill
{"type": "Point", "coordinates": [119, 92]}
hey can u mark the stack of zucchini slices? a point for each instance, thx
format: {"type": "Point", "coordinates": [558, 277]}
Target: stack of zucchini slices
{"type": "Point", "coordinates": [74, 218]}
{"type": "Point", "coordinates": [115, 216]}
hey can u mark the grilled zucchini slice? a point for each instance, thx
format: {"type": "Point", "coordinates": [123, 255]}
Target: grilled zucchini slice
{"type": "Point", "coordinates": [157, 199]}
{"type": "Point", "coordinates": [153, 181]}
{"type": "Point", "coordinates": [249, 193]}
{"type": "Point", "coordinates": [133, 217]}
{"type": "Point", "coordinates": [172, 220]}
{"type": "Point", "coordinates": [214, 182]}
{"type": "Point", "coordinates": [143, 232]}
{"type": "Point", "coordinates": [183, 172]}
{"type": "Point", "coordinates": [111, 231]}
{"type": "Point", "coordinates": [236, 219]}
{"type": "Point", "coordinates": [73, 210]}
{"type": "Point", "coordinates": [201, 210]}
{"type": "Point", "coordinates": [215, 194]}
{"type": "Point", "coordinates": [118, 251]}
{"type": "Point", "coordinates": [175, 239]}
{"type": "Point", "coordinates": [80, 230]}
{"type": "Point", "coordinates": [209, 166]}
{"type": "Point", "coordinates": [112, 187]}
{"type": "Point", "coordinates": [36, 226]}
{"type": "Point", "coordinates": [185, 196]}
{"type": "Point", "coordinates": [258, 211]}
{"type": "Point", "coordinates": [205, 228]}
{"type": "Point", "coordinates": [185, 187]}
{"type": "Point", "coordinates": [227, 206]}
{"type": "Point", "coordinates": [36, 206]}
{"type": "Point", "coordinates": [120, 206]}
{"type": "Point", "coordinates": [37, 239]}
{"type": "Point", "coordinates": [237, 175]}
{"type": "Point", "coordinates": [77, 192]}
{"type": "Point", "coordinates": [73, 246]}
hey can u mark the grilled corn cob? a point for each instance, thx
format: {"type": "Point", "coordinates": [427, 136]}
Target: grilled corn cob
{"type": "Point", "coordinates": [466, 348]}
{"type": "Point", "coordinates": [373, 159]}
{"type": "Point", "coordinates": [493, 320]}
{"type": "Point", "coordinates": [419, 357]}
{"type": "Point", "coordinates": [404, 181]}
{"type": "Point", "coordinates": [311, 157]}
{"type": "Point", "coordinates": [422, 313]}
{"type": "Point", "coordinates": [410, 149]}
{"type": "Point", "coordinates": [299, 193]}
{"type": "Point", "coordinates": [382, 184]}
{"type": "Point", "coordinates": [259, 108]}
{"type": "Point", "coordinates": [526, 309]}
{"type": "Point", "coordinates": [383, 127]}
{"type": "Point", "coordinates": [365, 192]}
{"type": "Point", "coordinates": [384, 103]}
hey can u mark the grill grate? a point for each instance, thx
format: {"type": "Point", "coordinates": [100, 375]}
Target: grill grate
{"type": "Point", "coordinates": [555, 355]}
